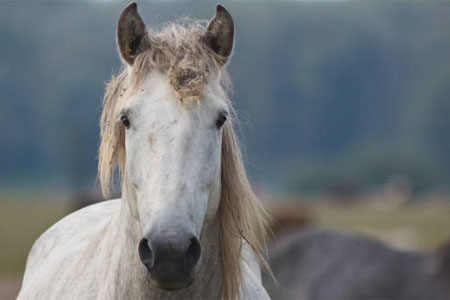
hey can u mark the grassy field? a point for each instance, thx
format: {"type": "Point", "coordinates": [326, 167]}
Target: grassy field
{"type": "Point", "coordinates": [422, 227]}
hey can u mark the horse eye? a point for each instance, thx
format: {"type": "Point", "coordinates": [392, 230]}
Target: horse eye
{"type": "Point", "coordinates": [221, 120]}
{"type": "Point", "coordinates": [125, 121]}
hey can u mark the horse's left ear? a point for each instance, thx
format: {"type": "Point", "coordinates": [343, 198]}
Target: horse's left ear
{"type": "Point", "coordinates": [219, 34]}
{"type": "Point", "coordinates": [132, 35]}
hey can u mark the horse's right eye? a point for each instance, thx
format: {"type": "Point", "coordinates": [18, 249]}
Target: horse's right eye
{"type": "Point", "coordinates": [125, 121]}
{"type": "Point", "coordinates": [221, 120]}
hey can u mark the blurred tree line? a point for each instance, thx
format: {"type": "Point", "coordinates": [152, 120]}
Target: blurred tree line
{"type": "Point", "coordinates": [327, 92]}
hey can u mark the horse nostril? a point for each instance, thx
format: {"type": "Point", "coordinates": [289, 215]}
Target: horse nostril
{"type": "Point", "coordinates": [192, 254]}
{"type": "Point", "coordinates": [145, 253]}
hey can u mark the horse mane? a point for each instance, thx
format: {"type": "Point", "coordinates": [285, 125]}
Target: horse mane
{"type": "Point", "coordinates": [177, 50]}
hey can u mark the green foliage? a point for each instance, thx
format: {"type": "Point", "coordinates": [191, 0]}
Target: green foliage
{"type": "Point", "coordinates": [367, 166]}
{"type": "Point", "coordinates": [326, 82]}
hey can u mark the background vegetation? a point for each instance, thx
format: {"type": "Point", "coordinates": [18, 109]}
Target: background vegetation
{"type": "Point", "coordinates": [335, 92]}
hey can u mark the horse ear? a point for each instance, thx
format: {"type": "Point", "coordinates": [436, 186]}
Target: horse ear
{"type": "Point", "coordinates": [220, 34]}
{"type": "Point", "coordinates": [132, 35]}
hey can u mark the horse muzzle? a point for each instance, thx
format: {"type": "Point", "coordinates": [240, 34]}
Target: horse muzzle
{"type": "Point", "coordinates": [170, 258]}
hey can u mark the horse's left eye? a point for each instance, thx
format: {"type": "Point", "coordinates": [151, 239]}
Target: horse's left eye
{"type": "Point", "coordinates": [125, 121]}
{"type": "Point", "coordinates": [221, 120]}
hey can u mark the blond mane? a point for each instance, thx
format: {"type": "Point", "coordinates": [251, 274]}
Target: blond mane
{"type": "Point", "coordinates": [177, 50]}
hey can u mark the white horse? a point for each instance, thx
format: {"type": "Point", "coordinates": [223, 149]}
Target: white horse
{"type": "Point", "coordinates": [188, 225]}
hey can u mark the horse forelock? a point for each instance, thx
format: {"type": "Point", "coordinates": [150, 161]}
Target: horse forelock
{"type": "Point", "coordinates": [178, 51]}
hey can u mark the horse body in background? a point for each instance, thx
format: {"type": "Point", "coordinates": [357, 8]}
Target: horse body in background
{"type": "Point", "coordinates": [188, 224]}
{"type": "Point", "coordinates": [312, 263]}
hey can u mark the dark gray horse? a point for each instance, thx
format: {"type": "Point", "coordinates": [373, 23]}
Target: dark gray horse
{"type": "Point", "coordinates": [314, 263]}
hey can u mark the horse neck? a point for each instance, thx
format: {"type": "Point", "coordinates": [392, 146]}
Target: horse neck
{"type": "Point", "coordinates": [127, 276]}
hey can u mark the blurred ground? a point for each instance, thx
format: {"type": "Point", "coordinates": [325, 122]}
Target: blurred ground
{"type": "Point", "coordinates": [412, 226]}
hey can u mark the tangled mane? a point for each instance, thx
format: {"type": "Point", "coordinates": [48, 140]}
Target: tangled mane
{"type": "Point", "coordinates": [178, 51]}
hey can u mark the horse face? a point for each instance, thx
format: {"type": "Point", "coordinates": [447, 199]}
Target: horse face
{"type": "Point", "coordinates": [173, 150]}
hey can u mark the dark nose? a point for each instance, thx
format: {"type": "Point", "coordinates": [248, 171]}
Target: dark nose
{"type": "Point", "coordinates": [170, 260]}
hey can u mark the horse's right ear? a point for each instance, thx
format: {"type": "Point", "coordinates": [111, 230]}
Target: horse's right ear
{"type": "Point", "coordinates": [219, 34]}
{"type": "Point", "coordinates": [132, 35]}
